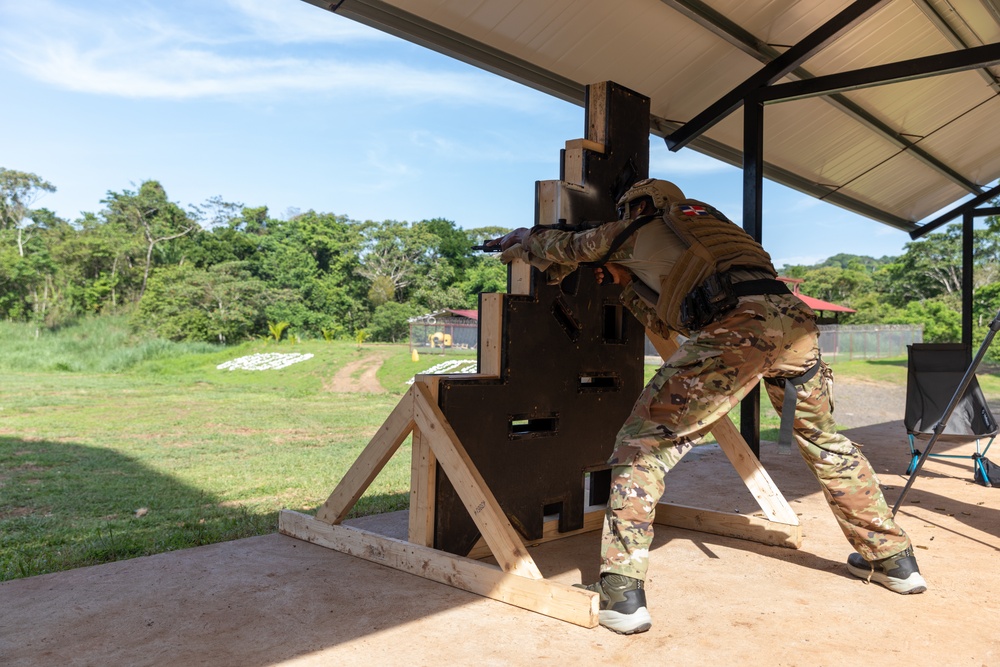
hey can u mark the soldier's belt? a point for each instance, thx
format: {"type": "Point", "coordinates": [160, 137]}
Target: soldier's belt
{"type": "Point", "coordinates": [718, 295]}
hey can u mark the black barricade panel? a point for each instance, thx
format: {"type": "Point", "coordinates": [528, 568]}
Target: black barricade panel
{"type": "Point", "coordinates": [571, 361]}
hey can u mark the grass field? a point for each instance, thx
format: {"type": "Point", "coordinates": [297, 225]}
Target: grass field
{"type": "Point", "coordinates": [113, 448]}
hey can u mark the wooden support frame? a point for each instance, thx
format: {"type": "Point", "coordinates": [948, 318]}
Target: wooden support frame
{"type": "Point", "coordinates": [516, 579]}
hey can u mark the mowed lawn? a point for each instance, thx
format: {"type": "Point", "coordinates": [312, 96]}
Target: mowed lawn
{"type": "Point", "coordinates": [172, 452]}
{"type": "Point", "coordinates": [176, 453]}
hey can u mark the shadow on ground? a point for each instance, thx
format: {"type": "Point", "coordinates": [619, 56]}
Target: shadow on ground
{"type": "Point", "coordinates": [65, 505]}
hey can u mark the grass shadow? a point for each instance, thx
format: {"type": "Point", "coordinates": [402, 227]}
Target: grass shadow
{"type": "Point", "coordinates": [68, 505]}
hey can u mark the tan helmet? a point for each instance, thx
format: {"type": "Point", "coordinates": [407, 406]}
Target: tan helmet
{"type": "Point", "coordinates": [663, 194]}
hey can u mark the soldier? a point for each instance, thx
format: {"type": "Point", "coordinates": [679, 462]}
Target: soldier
{"type": "Point", "coordinates": [686, 268]}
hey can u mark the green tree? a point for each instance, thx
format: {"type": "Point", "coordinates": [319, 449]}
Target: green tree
{"type": "Point", "coordinates": [488, 274]}
{"type": "Point", "coordinates": [942, 322]}
{"type": "Point", "coordinates": [835, 284]}
{"type": "Point", "coordinates": [18, 191]}
{"type": "Point", "coordinates": [393, 253]}
{"type": "Point", "coordinates": [223, 304]}
{"type": "Point", "coordinates": [148, 214]}
{"type": "Point", "coordinates": [390, 322]}
{"type": "Point", "coordinates": [27, 286]}
{"type": "Point", "coordinates": [449, 243]}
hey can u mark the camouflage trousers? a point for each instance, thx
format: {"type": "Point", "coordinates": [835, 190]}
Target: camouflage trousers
{"type": "Point", "coordinates": [772, 336]}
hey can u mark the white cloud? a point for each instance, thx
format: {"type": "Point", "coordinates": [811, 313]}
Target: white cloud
{"type": "Point", "coordinates": [798, 203]}
{"type": "Point", "coordinates": [145, 54]}
{"type": "Point", "coordinates": [380, 160]}
{"type": "Point", "coordinates": [295, 21]}
{"type": "Point", "coordinates": [178, 73]}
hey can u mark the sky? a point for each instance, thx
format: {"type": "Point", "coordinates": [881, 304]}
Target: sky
{"type": "Point", "coordinates": [278, 103]}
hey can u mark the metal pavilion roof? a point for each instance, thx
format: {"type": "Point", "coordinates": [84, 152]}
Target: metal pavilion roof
{"type": "Point", "coordinates": [897, 153]}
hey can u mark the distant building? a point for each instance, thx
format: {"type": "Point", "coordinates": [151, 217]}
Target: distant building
{"type": "Point", "coordinates": [826, 312]}
{"type": "Point", "coordinates": [445, 330]}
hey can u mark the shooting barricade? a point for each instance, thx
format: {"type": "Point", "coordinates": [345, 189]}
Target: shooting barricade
{"type": "Point", "coordinates": [515, 444]}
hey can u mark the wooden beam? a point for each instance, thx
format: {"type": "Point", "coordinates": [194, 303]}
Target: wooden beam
{"type": "Point", "coordinates": [574, 605]}
{"type": "Point", "coordinates": [752, 528]}
{"type": "Point", "coordinates": [520, 277]}
{"type": "Point", "coordinates": [491, 332]}
{"type": "Point", "coordinates": [371, 461]}
{"type": "Point", "coordinates": [753, 474]}
{"type": "Point", "coordinates": [587, 144]}
{"type": "Point", "coordinates": [423, 480]}
{"type": "Point", "coordinates": [574, 159]}
{"type": "Point", "coordinates": [664, 347]}
{"type": "Point", "coordinates": [483, 507]}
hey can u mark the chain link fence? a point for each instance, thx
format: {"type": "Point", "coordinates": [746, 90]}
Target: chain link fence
{"type": "Point", "coordinates": [839, 342]}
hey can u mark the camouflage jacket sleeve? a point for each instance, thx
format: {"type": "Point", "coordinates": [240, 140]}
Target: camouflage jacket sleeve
{"type": "Point", "coordinates": [645, 313]}
{"type": "Point", "coordinates": [572, 248]}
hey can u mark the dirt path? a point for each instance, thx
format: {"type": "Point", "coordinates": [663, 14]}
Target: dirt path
{"type": "Point", "coordinates": [357, 377]}
{"type": "Point", "coordinates": [865, 402]}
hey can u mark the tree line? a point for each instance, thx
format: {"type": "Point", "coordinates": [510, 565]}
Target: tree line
{"type": "Point", "coordinates": [921, 286]}
{"type": "Point", "coordinates": [225, 272]}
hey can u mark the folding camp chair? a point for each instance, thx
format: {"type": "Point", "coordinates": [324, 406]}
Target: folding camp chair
{"type": "Point", "coordinates": [935, 373]}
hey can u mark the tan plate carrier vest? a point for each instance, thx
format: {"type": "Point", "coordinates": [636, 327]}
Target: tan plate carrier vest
{"type": "Point", "coordinates": [714, 245]}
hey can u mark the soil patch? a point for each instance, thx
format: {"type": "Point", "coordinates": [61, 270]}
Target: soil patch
{"type": "Point", "coordinates": [357, 376]}
{"type": "Point", "coordinates": [865, 402]}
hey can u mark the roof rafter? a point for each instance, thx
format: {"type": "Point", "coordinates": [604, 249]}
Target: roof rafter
{"type": "Point", "coordinates": [961, 209]}
{"type": "Point", "coordinates": [816, 41]}
{"type": "Point", "coordinates": [941, 22]}
{"type": "Point", "coordinates": [904, 70]}
{"type": "Point", "coordinates": [662, 128]}
{"type": "Point", "coordinates": [708, 18]}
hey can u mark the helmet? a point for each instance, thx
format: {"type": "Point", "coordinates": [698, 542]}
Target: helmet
{"type": "Point", "coordinates": [663, 194]}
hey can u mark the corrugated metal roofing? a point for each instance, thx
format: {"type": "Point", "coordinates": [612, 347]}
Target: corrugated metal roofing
{"type": "Point", "coordinates": [813, 302]}
{"type": "Point", "coordinates": [819, 304]}
{"type": "Point", "coordinates": [471, 314]}
{"type": "Point", "coordinates": [897, 153]}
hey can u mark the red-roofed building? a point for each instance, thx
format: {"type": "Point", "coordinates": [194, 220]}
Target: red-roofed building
{"type": "Point", "coordinates": [471, 314]}
{"type": "Point", "coordinates": [445, 330]}
{"type": "Point", "coordinates": [833, 310]}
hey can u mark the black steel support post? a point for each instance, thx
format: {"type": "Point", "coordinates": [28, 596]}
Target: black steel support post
{"type": "Point", "coordinates": [967, 270]}
{"type": "Point", "coordinates": [968, 267]}
{"type": "Point", "coordinates": [753, 207]}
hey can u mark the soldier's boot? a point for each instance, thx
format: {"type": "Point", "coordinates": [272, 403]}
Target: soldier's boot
{"type": "Point", "coordinates": [898, 573]}
{"type": "Point", "coordinates": [623, 603]}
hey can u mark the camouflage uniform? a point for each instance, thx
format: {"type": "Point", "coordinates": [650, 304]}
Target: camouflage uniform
{"type": "Point", "coordinates": [766, 336]}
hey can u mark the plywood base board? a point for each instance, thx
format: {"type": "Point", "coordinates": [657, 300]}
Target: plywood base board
{"type": "Point", "coordinates": [550, 598]}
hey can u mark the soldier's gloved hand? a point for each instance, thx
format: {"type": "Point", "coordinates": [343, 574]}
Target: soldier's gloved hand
{"type": "Point", "coordinates": [518, 252]}
{"type": "Point", "coordinates": [514, 252]}
{"type": "Point", "coordinates": [510, 239]}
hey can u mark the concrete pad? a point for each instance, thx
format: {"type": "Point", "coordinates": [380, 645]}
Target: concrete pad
{"type": "Point", "coordinates": [275, 600]}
